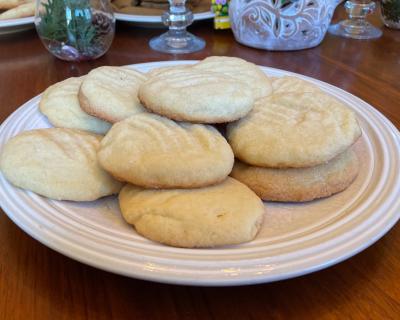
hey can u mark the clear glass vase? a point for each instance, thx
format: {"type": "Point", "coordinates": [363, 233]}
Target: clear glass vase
{"type": "Point", "coordinates": [75, 30]}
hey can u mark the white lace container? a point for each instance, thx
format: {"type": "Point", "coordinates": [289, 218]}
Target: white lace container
{"type": "Point", "coordinates": [281, 24]}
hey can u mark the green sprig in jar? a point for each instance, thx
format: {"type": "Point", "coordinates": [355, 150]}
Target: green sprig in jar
{"type": "Point", "coordinates": [75, 30]}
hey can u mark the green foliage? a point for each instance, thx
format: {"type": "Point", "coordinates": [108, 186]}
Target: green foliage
{"type": "Point", "coordinates": [391, 10]}
{"type": "Point", "coordinates": [283, 2]}
{"type": "Point", "coordinates": [68, 21]}
{"type": "Point", "coordinates": [53, 20]}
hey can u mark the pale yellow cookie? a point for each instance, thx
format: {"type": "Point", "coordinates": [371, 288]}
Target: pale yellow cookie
{"type": "Point", "coordinates": [154, 72]}
{"type": "Point", "coordinates": [287, 84]}
{"type": "Point", "coordinates": [110, 93]}
{"type": "Point", "coordinates": [294, 130]}
{"type": "Point", "coordinates": [223, 214]}
{"type": "Point", "coordinates": [57, 163]}
{"type": "Point", "coordinates": [241, 70]}
{"type": "Point", "coordinates": [187, 94]}
{"type": "Point", "coordinates": [10, 4]}
{"type": "Point", "coordinates": [155, 152]}
{"type": "Point", "coordinates": [299, 184]}
{"type": "Point", "coordinates": [60, 104]}
{"type": "Point", "coordinates": [23, 10]}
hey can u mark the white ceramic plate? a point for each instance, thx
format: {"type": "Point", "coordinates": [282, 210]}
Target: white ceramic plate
{"type": "Point", "coordinates": [295, 239]}
{"type": "Point", "coordinates": [156, 20]}
{"type": "Point", "coordinates": [15, 25]}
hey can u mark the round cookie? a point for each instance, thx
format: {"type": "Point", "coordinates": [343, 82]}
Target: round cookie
{"type": "Point", "coordinates": [60, 104]}
{"type": "Point", "coordinates": [286, 84]}
{"type": "Point", "coordinates": [22, 10]}
{"type": "Point", "coordinates": [154, 72]}
{"type": "Point", "coordinates": [293, 130]}
{"type": "Point", "coordinates": [187, 94]}
{"type": "Point", "coordinates": [57, 163]}
{"type": "Point", "coordinates": [9, 4]}
{"type": "Point", "coordinates": [223, 214]}
{"type": "Point", "coordinates": [110, 93]}
{"type": "Point", "coordinates": [155, 152]}
{"type": "Point", "coordinates": [241, 70]}
{"type": "Point", "coordinates": [299, 184]}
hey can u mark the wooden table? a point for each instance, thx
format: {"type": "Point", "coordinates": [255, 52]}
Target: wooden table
{"type": "Point", "coordinates": [38, 283]}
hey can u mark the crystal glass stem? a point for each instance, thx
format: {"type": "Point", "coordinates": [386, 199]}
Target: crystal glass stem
{"type": "Point", "coordinates": [177, 40]}
{"type": "Point", "coordinates": [357, 27]}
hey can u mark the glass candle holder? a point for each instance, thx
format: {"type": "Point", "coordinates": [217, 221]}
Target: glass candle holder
{"type": "Point", "coordinates": [75, 30]}
{"type": "Point", "coordinates": [177, 40]}
{"type": "Point", "coordinates": [357, 26]}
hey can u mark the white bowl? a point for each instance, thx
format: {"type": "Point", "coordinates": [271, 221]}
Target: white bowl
{"type": "Point", "coordinates": [281, 24]}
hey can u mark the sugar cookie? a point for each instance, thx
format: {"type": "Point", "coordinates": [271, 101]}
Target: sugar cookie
{"type": "Point", "coordinates": [61, 106]}
{"type": "Point", "coordinates": [156, 152]}
{"type": "Point", "coordinates": [294, 130]}
{"type": "Point", "coordinates": [57, 163]}
{"type": "Point", "coordinates": [241, 70]}
{"type": "Point", "coordinates": [188, 94]}
{"type": "Point", "coordinates": [223, 214]}
{"type": "Point", "coordinates": [110, 93]}
{"type": "Point", "coordinates": [299, 184]}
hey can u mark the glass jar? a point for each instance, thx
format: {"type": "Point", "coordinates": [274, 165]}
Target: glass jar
{"type": "Point", "coordinates": [75, 30]}
{"type": "Point", "coordinates": [390, 10]}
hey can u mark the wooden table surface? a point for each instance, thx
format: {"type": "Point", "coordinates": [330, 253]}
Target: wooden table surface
{"type": "Point", "coordinates": [39, 283]}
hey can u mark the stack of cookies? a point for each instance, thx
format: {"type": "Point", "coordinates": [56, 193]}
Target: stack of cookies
{"type": "Point", "coordinates": [169, 164]}
{"type": "Point", "coordinates": [177, 165]}
{"type": "Point", "coordinates": [295, 146]}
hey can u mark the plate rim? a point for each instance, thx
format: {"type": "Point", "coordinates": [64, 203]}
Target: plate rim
{"type": "Point", "coordinates": [157, 18]}
{"type": "Point", "coordinates": [16, 22]}
{"type": "Point", "coordinates": [222, 281]}
{"type": "Point", "coordinates": [6, 23]}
